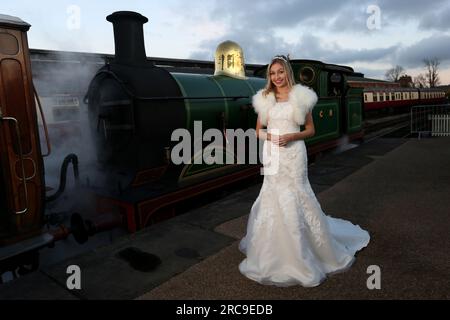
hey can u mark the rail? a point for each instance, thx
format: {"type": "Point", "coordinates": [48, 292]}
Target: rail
{"type": "Point", "coordinates": [433, 120]}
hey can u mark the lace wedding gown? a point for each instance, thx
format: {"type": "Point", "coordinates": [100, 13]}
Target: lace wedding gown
{"type": "Point", "coordinates": [289, 239]}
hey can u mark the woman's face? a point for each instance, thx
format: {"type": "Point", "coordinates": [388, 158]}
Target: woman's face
{"type": "Point", "coordinates": [278, 75]}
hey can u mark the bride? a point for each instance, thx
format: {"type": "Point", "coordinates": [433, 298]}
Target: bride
{"type": "Point", "coordinates": [289, 238]}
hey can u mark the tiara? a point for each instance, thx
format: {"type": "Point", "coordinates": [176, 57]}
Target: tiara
{"type": "Point", "coordinates": [280, 57]}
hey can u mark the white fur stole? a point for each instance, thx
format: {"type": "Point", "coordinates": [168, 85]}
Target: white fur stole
{"type": "Point", "coordinates": [301, 97]}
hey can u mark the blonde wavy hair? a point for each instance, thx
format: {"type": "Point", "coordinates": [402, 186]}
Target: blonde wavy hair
{"type": "Point", "coordinates": [284, 61]}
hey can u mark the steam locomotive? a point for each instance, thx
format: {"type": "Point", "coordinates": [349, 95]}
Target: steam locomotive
{"type": "Point", "coordinates": [134, 107]}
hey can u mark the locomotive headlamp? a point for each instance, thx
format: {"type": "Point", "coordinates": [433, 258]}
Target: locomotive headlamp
{"type": "Point", "coordinates": [229, 60]}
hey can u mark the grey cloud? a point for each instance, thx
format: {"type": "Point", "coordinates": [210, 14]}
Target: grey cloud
{"type": "Point", "coordinates": [370, 73]}
{"type": "Point", "coordinates": [347, 19]}
{"type": "Point", "coordinates": [282, 13]}
{"type": "Point", "coordinates": [313, 48]}
{"type": "Point", "coordinates": [259, 48]}
{"type": "Point", "coordinates": [336, 16]}
{"type": "Point", "coordinates": [434, 46]}
{"type": "Point", "coordinates": [436, 20]}
{"type": "Point", "coordinates": [364, 55]}
{"type": "Point", "coordinates": [408, 8]}
{"type": "Point", "coordinates": [253, 25]}
{"type": "Point", "coordinates": [429, 15]}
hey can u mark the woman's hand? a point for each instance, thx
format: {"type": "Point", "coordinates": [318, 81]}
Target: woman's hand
{"type": "Point", "coordinates": [284, 139]}
{"type": "Point", "coordinates": [281, 140]}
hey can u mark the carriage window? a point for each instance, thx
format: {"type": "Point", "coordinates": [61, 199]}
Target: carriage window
{"type": "Point", "coordinates": [365, 97]}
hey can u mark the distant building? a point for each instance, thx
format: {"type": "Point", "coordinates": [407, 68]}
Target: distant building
{"type": "Point", "coordinates": [406, 81]}
{"type": "Point", "coordinates": [446, 88]}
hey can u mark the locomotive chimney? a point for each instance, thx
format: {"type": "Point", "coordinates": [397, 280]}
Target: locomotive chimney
{"type": "Point", "coordinates": [128, 37]}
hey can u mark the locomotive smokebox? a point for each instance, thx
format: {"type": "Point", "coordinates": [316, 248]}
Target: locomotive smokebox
{"type": "Point", "coordinates": [129, 37]}
{"type": "Point", "coordinates": [134, 106]}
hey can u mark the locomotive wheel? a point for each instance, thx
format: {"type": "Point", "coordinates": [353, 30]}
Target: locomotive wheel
{"type": "Point", "coordinates": [21, 264]}
{"type": "Point", "coordinates": [28, 263]}
{"type": "Point", "coordinates": [78, 228]}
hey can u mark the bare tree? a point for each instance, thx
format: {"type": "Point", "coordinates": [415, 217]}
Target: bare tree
{"type": "Point", "coordinates": [432, 72]}
{"type": "Point", "coordinates": [395, 73]}
{"type": "Point", "coordinates": [420, 81]}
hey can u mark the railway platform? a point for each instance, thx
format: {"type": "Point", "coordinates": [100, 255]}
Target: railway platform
{"type": "Point", "coordinates": [397, 189]}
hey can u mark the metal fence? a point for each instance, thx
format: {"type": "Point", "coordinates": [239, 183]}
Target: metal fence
{"type": "Point", "coordinates": [432, 120]}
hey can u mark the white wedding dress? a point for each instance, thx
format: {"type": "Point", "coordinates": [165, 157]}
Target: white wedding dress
{"type": "Point", "coordinates": [289, 240]}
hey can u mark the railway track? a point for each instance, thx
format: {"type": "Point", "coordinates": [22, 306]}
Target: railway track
{"type": "Point", "coordinates": [400, 130]}
{"type": "Point", "coordinates": [377, 124]}
{"type": "Point", "coordinates": [392, 126]}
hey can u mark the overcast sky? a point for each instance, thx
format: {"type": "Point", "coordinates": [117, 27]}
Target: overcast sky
{"type": "Point", "coordinates": [370, 36]}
